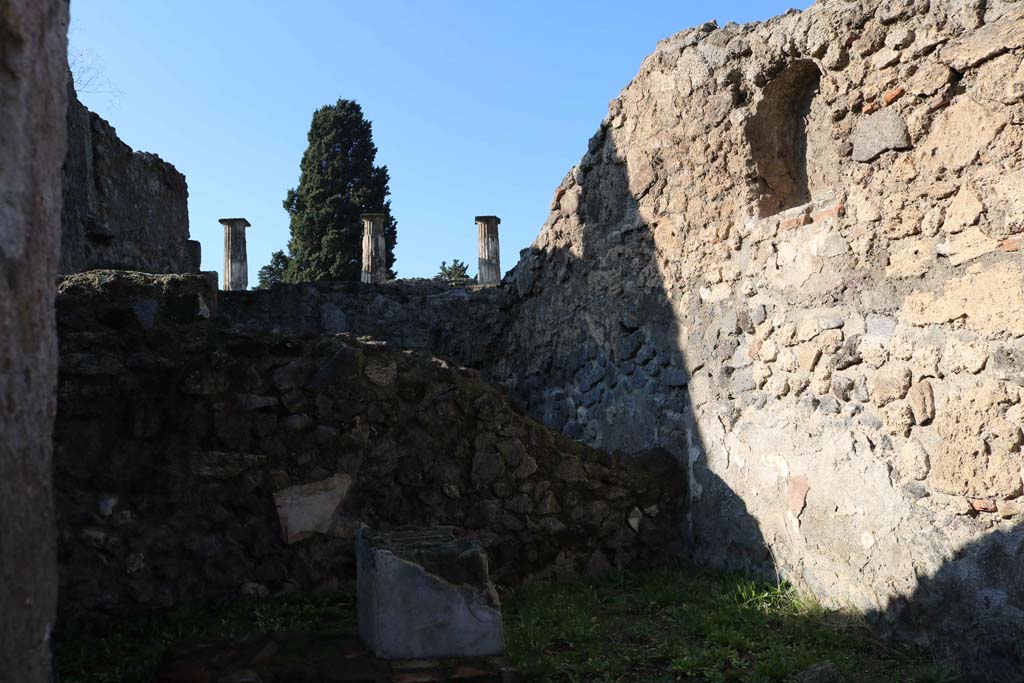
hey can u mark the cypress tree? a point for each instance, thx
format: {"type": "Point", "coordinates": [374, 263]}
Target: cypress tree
{"type": "Point", "coordinates": [338, 182]}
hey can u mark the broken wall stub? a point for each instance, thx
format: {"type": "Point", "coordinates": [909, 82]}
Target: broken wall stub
{"type": "Point", "coordinates": [791, 257]}
{"type": "Point", "coordinates": [122, 209]}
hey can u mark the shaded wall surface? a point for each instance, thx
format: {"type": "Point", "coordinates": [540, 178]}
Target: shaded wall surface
{"type": "Point", "coordinates": [33, 88]}
{"type": "Point", "coordinates": [464, 324]}
{"type": "Point", "coordinates": [194, 459]}
{"type": "Point", "coordinates": [122, 209]}
{"type": "Point", "coordinates": [791, 257]}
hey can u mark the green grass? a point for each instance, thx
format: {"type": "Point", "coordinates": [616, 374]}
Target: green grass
{"type": "Point", "coordinates": [666, 625]}
{"type": "Point", "coordinates": [675, 625]}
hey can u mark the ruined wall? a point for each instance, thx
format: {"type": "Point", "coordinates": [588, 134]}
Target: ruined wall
{"type": "Point", "coordinates": [194, 459]}
{"type": "Point", "coordinates": [791, 257]}
{"type": "Point", "coordinates": [33, 79]}
{"type": "Point", "coordinates": [122, 209]}
{"type": "Point", "coordinates": [463, 324]}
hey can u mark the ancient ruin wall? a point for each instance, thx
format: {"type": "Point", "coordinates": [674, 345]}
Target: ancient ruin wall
{"type": "Point", "coordinates": [33, 78]}
{"type": "Point", "coordinates": [194, 459]}
{"type": "Point", "coordinates": [462, 324]}
{"type": "Point", "coordinates": [791, 256]}
{"type": "Point", "coordinates": [122, 209]}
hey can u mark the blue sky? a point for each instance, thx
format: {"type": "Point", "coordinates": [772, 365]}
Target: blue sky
{"type": "Point", "coordinates": [477, 108]}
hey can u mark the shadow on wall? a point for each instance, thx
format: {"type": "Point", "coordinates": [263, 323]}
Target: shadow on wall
{"type": "Point", "coordinates": [972, 608]}
{"type": "Point", "coordinates": [597, 274]}
{"type": "Point", "coordinates": [613, 390]}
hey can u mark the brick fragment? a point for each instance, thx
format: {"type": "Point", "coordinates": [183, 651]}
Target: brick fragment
{"type": "Point", "coordinates": [893, 95]}
{"type": "Point", "coordinates": [983, 505]}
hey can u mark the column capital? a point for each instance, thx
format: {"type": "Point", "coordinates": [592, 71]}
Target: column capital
{"type": "Point", "coordinates": [234, 222]}
{"type": "Point", "coordinates": [487, 219]}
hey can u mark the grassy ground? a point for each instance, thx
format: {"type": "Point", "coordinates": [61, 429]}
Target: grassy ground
{"type": "Point", "coordinates": [642, 627]}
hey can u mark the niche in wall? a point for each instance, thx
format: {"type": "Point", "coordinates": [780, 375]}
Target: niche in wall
{"type": "Point", "coordinates": [790, 140]}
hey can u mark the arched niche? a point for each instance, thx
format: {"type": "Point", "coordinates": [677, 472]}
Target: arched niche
{"type": "Point", "coordinates": [790, 140]}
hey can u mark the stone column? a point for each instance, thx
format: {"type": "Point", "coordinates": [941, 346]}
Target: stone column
{"type": "Point", "coordinates": [489, 269]}
{"type": "Point", "coordinates": [33, 133]}
{"type": "Point", "coordinates": [375, 249]}
{"type": "Point", "coordinates": [236, 265]}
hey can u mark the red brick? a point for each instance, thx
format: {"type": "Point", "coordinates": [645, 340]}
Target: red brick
{"type": "Point", "coordinates": [1011, 244]}
{"type": "Point", "coordinates": [791, 223]}
{"type": "Point", "coordinates": [871, 107]}
{"type": "Point", "coordinates": [893, 95]}
{"type": "Point", "coordinates": [837, 211]}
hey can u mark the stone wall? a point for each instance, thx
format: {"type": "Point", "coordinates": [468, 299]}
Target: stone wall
{"type": "Point", "coordinates": [791, 257]}
{"type": "Point", "coordinates": [122, 209]}
{"type": "Point", "coordinates": [464, 324]}
{"type": "Point", "coordinates": [195, 459]}
{"type": "Point", "coordinates": [33, 82]}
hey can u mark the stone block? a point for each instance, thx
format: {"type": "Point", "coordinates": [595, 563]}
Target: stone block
{"type": "Point", "coordinates": [308, 509]}
{"type": "Point", "coordinates": [878, 133]}
{"type": "Point", "coordinates": [960, 133]}
{"type": "Point", "coordinates": [425, 593]}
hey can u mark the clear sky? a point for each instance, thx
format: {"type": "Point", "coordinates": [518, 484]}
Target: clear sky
{"type": "Point", "coordinates": [477, 107]}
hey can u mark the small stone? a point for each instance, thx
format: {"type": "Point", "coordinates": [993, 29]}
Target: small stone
{"type": "Point", "coordinates": [848, 355]}
{"type": "Point", "coordinates": [878, 133]}
{"type": "Point", "coordinates": [1009, 508]}
{"type": "Point", "coordinates": [808, 357]}
{"type": "Point", "coordinates": [898, 418]}
{"type": "Point", "coordinates": [807, 329]}
{"type": "Point", "coordinates": [912, 461]}
{"type": "Point", "coordinates": [675, 377]}
{"type": "Point", "coordinates": [634, 519]}
{"type": "Point", "coordinates": [488, 465]}
{"type": "Point", "coordinates": [963, 211]}
{"type": "Point", "coordinates": [922, 402]}
{"type": "Point", "coordinates": [251, 589]}
{"type": "Point", "coordinates": [297, 423]}
{"type": "Point", "coordinates": [842, 387]}
{"type": "Point", "coordinates": [890, 384]}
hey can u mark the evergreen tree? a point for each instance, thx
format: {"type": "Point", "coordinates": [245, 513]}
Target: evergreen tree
{"type": "Point", "coordinates": [338, 182]}
{"type": "Point", "coordinates": [273, 272]}
{"type": "Point", "coordinates": [456, 272]}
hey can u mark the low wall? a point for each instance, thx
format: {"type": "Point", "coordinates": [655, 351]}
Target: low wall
{"type": "Point", "coordinates": [195, 460]}
{"type": "Point", "coordinates": [464, 324]}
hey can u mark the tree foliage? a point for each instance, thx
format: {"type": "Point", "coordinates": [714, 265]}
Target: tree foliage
{"type": "Point", "coordinates": [273, 273]}
{"type": "Point", "coordinates": [456, 272]}
{"type": "Point", "coordinates": [338, 182]}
